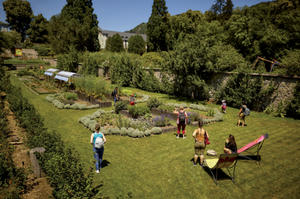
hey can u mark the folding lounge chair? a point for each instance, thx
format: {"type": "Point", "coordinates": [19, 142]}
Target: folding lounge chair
{"type": "Point", "coordinates": [258, 143]}
{"type": "Point", "coordinates": [227, 161]}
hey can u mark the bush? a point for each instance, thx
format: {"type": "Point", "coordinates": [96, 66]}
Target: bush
{"type": "Point", "coordinates": [153, 103]}
{"type": "Point", "coordinates": [136, 111]}
{"type": "Point", "coordinates": [292, 63]}
{"type": "Point", "coordinates": [242, 89]}
{"type": "Point", "coordinates": [293, 109]}
{"type": "Point", "coordinates": [121, 105]}
{"type": "Point", "coordinates": [68, 62]}
{"type": "Point", "coordinates": [42, 49]}
{"type": "Point", "coordinates": [70, 96]}
{"type": "Point", "coordinates": [161, 121]}
{"type": "Point", "coordinates": [92, 86]}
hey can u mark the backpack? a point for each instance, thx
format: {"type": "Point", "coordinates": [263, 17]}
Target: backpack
{"type": "Point", "coordinates": [113, 93]}
{"type": "Point", "coordinates": [99, 143]}
{"type": "Point", "coordinates": [181, 117]}
{"type": "Point", "coordinates": [247, 111]}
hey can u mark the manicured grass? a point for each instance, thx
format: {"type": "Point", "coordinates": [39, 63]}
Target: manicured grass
{"type": "Point", "coordinates": [21, 61]}
{"type": "Point", "coordinates": [160, 166]}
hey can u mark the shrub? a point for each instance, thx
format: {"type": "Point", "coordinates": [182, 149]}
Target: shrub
{"type": "Point", "coordinates": [292, 63]}
{"type": "Point", "coordinates": [156, 130]}
{"type": "Point", "coordinates": [68, 62]}
{"type": "Point", "coordinates": [153, 103]}
{"type": "Point", "coordinates": [165, 108]}
{"type": "Point", "coordinates": [121, 105]}
{"type": "Point", "coordinates": [70, 96]}
{"type": "Point", "coordinates": [136, 111]}
{"type": "Point", "coordinates": [293, 108]}
{"type": "Point", "coordinates": [161, 121]}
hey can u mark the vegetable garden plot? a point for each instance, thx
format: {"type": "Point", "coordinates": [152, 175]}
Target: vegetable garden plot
{"type": "Point", "coordinates": [38, 86]}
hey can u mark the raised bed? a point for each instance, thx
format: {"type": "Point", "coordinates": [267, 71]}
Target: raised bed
{"type": "Point", "coordinates": [164, 128]}
{"type": "Point", "coordinates": [93, 100]}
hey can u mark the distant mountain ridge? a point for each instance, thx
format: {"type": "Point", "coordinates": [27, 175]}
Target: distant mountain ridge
{"type": "Point", "coordinates": [139, 29]}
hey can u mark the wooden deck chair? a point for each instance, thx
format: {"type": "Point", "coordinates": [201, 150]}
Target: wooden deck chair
{"type": "Point", "coordinates": [227, 161]}
{"type": "Point", "coordinates": [258, 143]}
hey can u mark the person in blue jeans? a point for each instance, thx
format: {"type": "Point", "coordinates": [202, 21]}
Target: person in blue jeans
{"type": "Point", "coordinates": [97, 140]}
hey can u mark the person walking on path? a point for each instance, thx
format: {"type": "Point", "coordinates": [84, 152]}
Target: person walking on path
{"type": "Point", "coordinates": [199, 136]}
{"type": "Point", "coordinates": [115, 95]}
{"type": "Point", "coordinates": [230, 145]}
{"type": "Point", "coordinates": [181, 121]}
{"type": "Point", "coordinates": [97, 140]}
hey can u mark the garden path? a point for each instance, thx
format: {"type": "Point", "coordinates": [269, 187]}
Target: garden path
{"type": "Point", "coordinates": [36, 188]}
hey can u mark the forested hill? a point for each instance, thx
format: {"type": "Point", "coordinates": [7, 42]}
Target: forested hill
{"type": "Point", "coordinates": [139, 29]}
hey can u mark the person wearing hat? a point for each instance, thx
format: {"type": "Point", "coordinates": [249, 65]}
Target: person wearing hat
{"type": "Point", "coordinates": [97, 140]}
{"type": "Point", "coordinates": [223, 106]}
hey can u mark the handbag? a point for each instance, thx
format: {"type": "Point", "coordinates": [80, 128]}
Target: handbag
{"type": "Point", "coordinates": [206, 140]}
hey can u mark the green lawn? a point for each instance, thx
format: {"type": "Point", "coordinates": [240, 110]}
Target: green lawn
{"type": "Point", "coordinates": [160, 166]}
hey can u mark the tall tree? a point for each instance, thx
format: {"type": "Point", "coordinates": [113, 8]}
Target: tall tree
{"type": "Point", "coordinates": [115, 43]}
{"type": "Point", "coordinates": [78, 25]}
{"type": "Point", "coordinates": [222, 9]}
{"type": "Point", "coordinates": [157, 27]}
{"type": "Point", "coordinates": [38, 31]}
{"type": "Point", "coordinates": [18, 15]}
{"type": "Point", "coordinates": [136, 44]}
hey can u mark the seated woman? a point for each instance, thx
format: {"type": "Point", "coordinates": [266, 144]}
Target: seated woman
{"type": "Point", "coordinates": [230, 145]}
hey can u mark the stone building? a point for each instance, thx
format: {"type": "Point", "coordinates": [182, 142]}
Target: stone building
{"type": "Point", "coordinates": [104, 34]}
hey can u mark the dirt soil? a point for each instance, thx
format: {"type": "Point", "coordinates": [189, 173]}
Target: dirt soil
{"type": "Point", "coordinates": [36, 188]}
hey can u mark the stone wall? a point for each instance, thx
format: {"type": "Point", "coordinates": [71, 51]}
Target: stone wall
{"type": "Point", "coordinates": [284, 85]}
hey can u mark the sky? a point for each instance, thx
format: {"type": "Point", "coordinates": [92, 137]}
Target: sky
{"type": "Point", "coordinates": [123, 15]}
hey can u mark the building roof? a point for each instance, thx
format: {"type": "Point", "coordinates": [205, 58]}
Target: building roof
{"type": "Point", "coordinates": [124, 35]}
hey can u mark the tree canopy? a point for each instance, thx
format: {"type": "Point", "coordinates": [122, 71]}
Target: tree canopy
{"type": "Point", "coordinates": [115, 43]}
{"type": "Point", "coordinates": [136, 44]}
{"type": "Point", "coordinates": [18, 15]}
{"type": "Point", "coordinates": [75, 26]}
{"type": "Point", "coordinates": [157, 27]}
{"type": "Point", "coordinates": [38, 31]}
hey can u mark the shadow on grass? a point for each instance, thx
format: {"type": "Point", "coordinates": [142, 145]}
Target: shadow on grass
{"type": "Point", "coordinates": [221, 175]}
{"type": "Point", "coordinates": [104, 163]}
{"type": "Point", "coordinates": [250, 157]}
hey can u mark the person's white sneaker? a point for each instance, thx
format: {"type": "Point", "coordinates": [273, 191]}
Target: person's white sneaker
{"type": "Point", "coordinates": [177, 136]}
{"type": "Point", "coordinates": [97, 171]}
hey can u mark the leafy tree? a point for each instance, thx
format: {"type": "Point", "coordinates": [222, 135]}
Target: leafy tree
{"type": "Point", "coordinates": [68, 62]}
{"type": "Point", "coordinates": [222, 9]}
{"type": "Point", "coordinates": [292, 63]}
{"type": "Point", "coordinates": [18, 15]}
{"type": "Point", "coordinates": [182, 25]}
{"type": "Point", "coordinates": [75, 26]}
{"type": "Point", "coordinates": [157, 27]}
{"type": "Point", "coordinates": [115, 43]}
{"type": "Point", "coordinates": [38, 31]}
{"type": "Point", "coordinates": [136, 44]}
{"type": "Point", "coordinates": [10, 40]}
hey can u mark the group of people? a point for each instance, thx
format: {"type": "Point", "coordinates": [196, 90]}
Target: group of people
{"type": "Point", "coordinates": [200, 135]}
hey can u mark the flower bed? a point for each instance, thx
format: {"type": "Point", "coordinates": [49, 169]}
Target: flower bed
{"type": "Point", "coordinates": [54, 99]}
{"type": "Point", "coordinates": [90, 121]}
{"type": "Point", "coordinates": [93, 100]}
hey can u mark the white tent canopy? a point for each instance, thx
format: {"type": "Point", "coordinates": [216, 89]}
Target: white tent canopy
{"type": "Point", "coordinates": [51, 71]}
{"type": "Point", "coordinates": [65, 75]}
